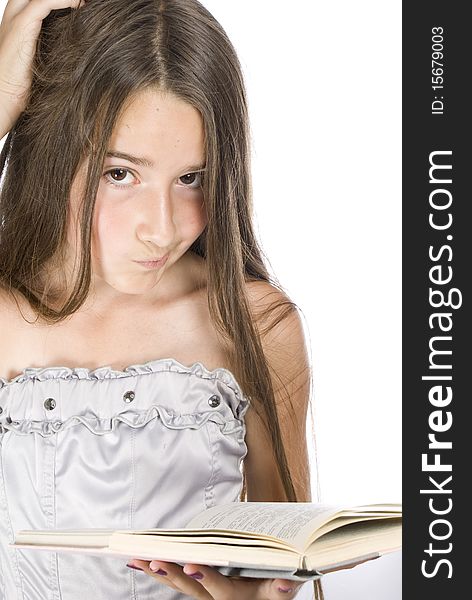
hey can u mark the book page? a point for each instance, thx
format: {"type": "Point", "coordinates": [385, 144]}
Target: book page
{"type": "Point", "coordinates": [355, 540]}
{"type": "Point", "coordinates": [291, 522]}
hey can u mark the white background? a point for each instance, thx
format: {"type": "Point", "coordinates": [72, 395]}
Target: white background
{"type": "Point", "coordinates": [324, 86]}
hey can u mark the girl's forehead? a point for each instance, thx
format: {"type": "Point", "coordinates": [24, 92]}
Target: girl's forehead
{"type": "Point", "coordinates": [154, 122]}
{"type": "Point", "coordinates": [150, 107]}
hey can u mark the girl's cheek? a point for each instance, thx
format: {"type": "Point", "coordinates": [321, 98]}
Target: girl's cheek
{"type": "Point", "coordinates": [195, 217]}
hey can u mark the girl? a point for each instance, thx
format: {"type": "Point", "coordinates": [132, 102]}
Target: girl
{"type": "Point", "coordinates": [126, 240]}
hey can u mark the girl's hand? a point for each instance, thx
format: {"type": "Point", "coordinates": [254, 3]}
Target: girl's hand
{"type": "Point", "coordinates": [213, 585]}
{"type": "Point", "coordinates": [19, 32]}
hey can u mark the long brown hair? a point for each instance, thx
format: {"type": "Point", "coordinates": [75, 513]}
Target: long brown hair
{"type": "Point", "coordinates": [89, 63]}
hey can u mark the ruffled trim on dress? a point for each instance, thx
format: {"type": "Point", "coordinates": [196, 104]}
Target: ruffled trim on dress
{"type": "Point", "coordinates": [134, 420]}
{"type": "Point", "coordinates": [153, 366]}
{"type": "Point", "coordinates": [132, 417]}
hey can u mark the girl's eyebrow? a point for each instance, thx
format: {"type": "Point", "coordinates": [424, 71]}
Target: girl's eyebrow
{"type": "Point", "coordinates": [143, 161]}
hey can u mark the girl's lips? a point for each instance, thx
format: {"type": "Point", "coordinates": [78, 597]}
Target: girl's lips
{"type": "Point", "coordinates": [153, 264]}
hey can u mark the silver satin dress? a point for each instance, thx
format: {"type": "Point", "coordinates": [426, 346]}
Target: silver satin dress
{"type": "Point", "coordinates": [150, 446]}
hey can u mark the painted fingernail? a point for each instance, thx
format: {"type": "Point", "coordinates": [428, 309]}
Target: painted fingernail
{"type": "Point", "coordinates": [134, 567]}
{"type": "Point", "coordinates": [285, 590]}
{"type": "Point", "coordinates": [196, 575]}
{"type": "Point", "coordinates": [157, 570]}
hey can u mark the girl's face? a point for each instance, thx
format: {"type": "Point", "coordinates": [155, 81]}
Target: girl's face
{"type": "Point", "coordinates": [149, 204]}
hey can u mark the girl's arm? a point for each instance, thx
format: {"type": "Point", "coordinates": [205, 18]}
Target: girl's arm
{"type": "Point", "coordinates": [285, 349]}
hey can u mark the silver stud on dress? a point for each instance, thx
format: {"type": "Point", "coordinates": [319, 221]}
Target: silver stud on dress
{"type": "Point", "coordinates": [128, 396]}
{"type": "Point", "coordinates": [49, 404]}
{"type": "Point", "coordinates": [214, 401]}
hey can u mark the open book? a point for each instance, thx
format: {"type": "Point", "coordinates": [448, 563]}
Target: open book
{"type": "Point", "coordinates": [290, 540]}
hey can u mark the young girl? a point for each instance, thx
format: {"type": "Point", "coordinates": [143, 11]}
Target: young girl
{"type": "Point", "coordinates": [126, 240]}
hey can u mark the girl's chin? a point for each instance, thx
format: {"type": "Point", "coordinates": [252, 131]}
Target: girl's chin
{"type": "Point", "coordinates": [129, 286]}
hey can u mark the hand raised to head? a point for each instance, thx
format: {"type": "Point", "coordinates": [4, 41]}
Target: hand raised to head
{"type": "Point", "coordinates": [19, 32]}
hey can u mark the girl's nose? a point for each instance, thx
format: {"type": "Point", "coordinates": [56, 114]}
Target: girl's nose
{"type": "Point", "coordinates": [156, 223]}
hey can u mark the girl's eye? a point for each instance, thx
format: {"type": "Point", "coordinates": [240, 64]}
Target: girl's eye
{"type": "Point", "coordinates": [120, 172]}
{"type": "Point", "coordinates": [190, 180]}
{"type": "Point", "coordinates": [193, 180]}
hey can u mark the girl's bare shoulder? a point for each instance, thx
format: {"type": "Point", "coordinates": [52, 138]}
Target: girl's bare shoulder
{"type": "Point", "coordinates": [267, 302]}
{"type": "Point", "coordinates": [10, 328]}
{"type": "Point", "coordinates": [263, 293]}
{"type": "Point", "coordinates": [15, 312]}
{"type": "Point", "coordinates": [10, 304]}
